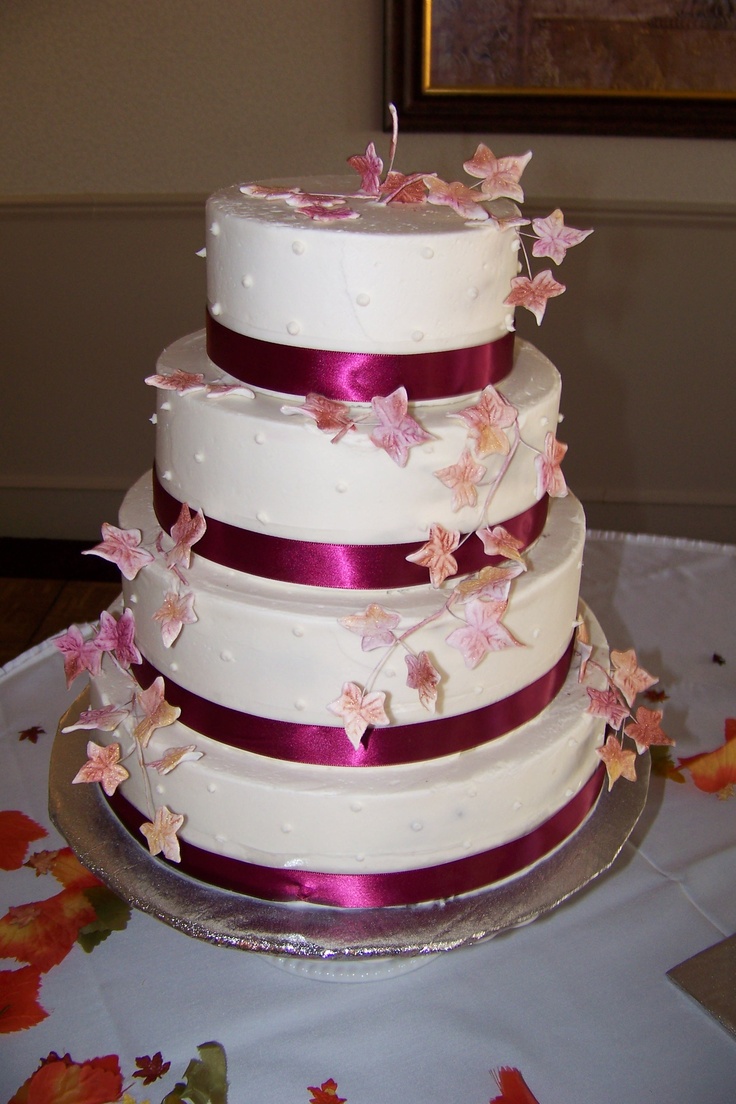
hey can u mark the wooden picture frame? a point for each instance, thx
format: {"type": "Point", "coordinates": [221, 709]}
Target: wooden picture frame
{"type": "Point", "coordinates": [465, 65]}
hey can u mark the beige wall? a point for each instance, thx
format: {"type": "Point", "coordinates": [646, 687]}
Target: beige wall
{"type": "Point", "coordinates": [117, 118]}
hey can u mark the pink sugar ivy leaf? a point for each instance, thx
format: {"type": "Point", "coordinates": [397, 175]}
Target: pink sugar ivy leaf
{"type": "Point", "coordinates": [186, 531]}
{"type": "Point", "coordinates": [397, 431]}
{"type": "Point", "coordinates": [499, 542]}
{"type": "Point", "coordinates": [554, 238]}
{"type": "Point", "coordinates": [398, 188]}
{"type": "Point", "coordinates": [423, 677]}
{"type": "Point", "coordinates": [329, 415]}
{"type": "Point", "coordinates": [359, 710]}
{"type": "Point", "coordinates": [154, 710]}
{"type": "Point", "coordinates": [183, 382]}
{"type": "Point", "coordinates": [486, 421]}
{"type": "Point", "coordinates": [462, 199]}
{"type": "Point", "coordinates": [80, 655]}
{"type": "Point", "coordinates": [122, 547]}
{"type": "Point", "coordinates": [161, 833]}
{"type": "Point", "coordinates": [607, 704]}
{"type": "Point", "coordinates": [374, 625]}
{"type": "Point", "coordinates": [500, 175]}
{"type": "Point", "coordinates": [583, 647]}
{"type": "Point", "coordinates": [462, 478]}
{"type": "Point", "coordinates": [646, 729]}
{"type": "Point", "coordinates": [105, 719]}
{"type": "Point", "coordinates": [492, 582]}
{"type": "Point", "coordinates": [437, 555]}
{"type": "Point", "coordinates": [263, 191]}
{"type": "Point", "coordinates": [628, 675]}
{"type": "Point", "coordinates": [318, 212]}
{"type": "Point", "coordinates": [620, 761]}
{"type": "Point", "coordinates": [550, 479]}
{"type": "Point", "coordinates": [369, 166]}
{"type": "Point", "coordinates": [118, 637]}
{"type": "Point", "coordinates": [173, 756]}
{"type": "Point", "coordinates": [533, 294]}
{"type": "Point", "coordinates": [218, 388]}
{"type": "Point", "coordinates": [103, 766]}
{"type": "Point", "coordinates": [483, 632]}
{"type": "Point", "coordinates": [175, 611]}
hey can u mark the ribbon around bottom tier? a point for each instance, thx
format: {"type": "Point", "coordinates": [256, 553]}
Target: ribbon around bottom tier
{"type": "Point", "coordinates": [403, 887]}
{"type": "Point", "coordinates": [327, 745]}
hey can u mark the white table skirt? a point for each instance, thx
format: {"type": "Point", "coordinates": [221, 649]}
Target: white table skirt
{"type": "Point", "coordinates": [579, 1001]}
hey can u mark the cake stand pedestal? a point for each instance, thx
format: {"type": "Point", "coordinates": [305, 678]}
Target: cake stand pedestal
{"type": "Point", "coordinates": [330, 943]}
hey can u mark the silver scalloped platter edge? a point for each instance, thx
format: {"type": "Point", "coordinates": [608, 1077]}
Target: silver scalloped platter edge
{"type": "Point", "coordinates": [225, 918]}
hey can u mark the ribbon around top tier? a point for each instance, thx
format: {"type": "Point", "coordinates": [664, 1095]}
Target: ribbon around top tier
{"type": "Point", "coordinates": [357, 377]}
{"type": "Point", "coordinates": [328, 746]}
{"type": "Point", "coordinates": [337, 566]}
{"type": "Point", "coordinates": [400, 887]}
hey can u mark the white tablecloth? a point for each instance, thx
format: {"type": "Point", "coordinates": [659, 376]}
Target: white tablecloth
{"type": "Point", "coordinates": [579, 1001]}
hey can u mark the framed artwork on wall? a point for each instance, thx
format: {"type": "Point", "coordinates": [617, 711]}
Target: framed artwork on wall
{"type": "Point", "coordinates": [656, 68]}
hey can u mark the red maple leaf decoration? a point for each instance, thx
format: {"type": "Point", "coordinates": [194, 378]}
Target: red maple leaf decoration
{"type": "Point", "coordinates": [19, 1008]}
{"type": "Point", "coordinates": [31, 734]}
{"type": "Point", "coordinates": [150, 1069]}
{"type": "Point", "coordinates": [514, 1089]}
{"type": "Point", "coordinates": [57, 1080]}
{"type": "Point", "coordinates": [16, 831]}
{"type": "Point", "coordinates": [326, 1093]}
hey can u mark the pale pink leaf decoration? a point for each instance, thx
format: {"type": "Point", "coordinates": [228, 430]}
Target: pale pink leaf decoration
{"type": "Point", "coordinates": [321, 212]}
{"type": "Point", "coordinates": [487, 420]}
{"type": "Point", "coordinates": [628, 676]}
{"type": "Point", "coordinates": [122, 547]}
{"type": "Point", "coordinates": [183, 382]}
{"type": "Point", "coordinates": [175, 611]}
{"type": "Point", "coordinates": [397, 431]}
{"type": "Point", "coordinates": [550, 479]}
{"type": "Point", "coordinates": [554, 238]}
{"type": "Point", "coordinates": [156, 711]}
{"type": "Point", "coordinates": [492, 582]}
{"type": "Point", "coordinates": [329, 415]}
{"type": "Point", "coordinates": [500, 175]}
{"type": "Point", "coordinates": [607, 704]}
{"type": "Point", "coordinates": [620, 762]}
{"type": "Point", "coordinates": [103, 766]}
{"type": "Point", "coordinates": [499, 542]}
{"type": "Point", "coordinates": [161, 833]}
{"type": "Point", "coordinates": [462, 479]}
{"type": "Point", "coordinates": [369, 166]}
{"type": "Point", "coordinates": [437, 555]}
{"type": "Point", "coordinates": [423, 677]}
{"type": "Point", "coordinates": [374, 625]}
{"type": "Point", "coordinates": [584, 648]}
{"type": "Point", "coordinates": [646, 729]}
{"type": "Point", "coordinates": [173, 756]}
{"type": "Point", "coordinates": [186, 531]}
{"type": "Point", "coordinates": [533, 294]}
{"type": "Point", "coordinates": [462, 199]}
{"type": "Point", "coordinates": [262, 191]}
{"type": "Point", "coordinates": [105, 719]}
{"type": "Point", "coordinates": [359, 711]}
{"type": "Point", "coordinates": [398, 188]}
{"type": "Point", "coordinates": [118, 637]}
{"type": "Point", "coordinates": [483, 632]}
{"type": "Point", "coordinates": [218, 388]}
{"type": "Point", "coordinates": [80, 655]}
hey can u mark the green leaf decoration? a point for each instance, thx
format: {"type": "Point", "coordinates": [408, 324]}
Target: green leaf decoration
{"type": "Point", "coordinates": [205, 1078]}
{"type": "Point", "coordinates": [112, 915]}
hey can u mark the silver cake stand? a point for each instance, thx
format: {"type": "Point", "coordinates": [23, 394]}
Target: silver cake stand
{"type": "Point", "coordinates": [329, 943]}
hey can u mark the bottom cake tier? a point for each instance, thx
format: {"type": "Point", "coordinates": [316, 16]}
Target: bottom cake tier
{"type": "Point", "coordinates": [370, 836]}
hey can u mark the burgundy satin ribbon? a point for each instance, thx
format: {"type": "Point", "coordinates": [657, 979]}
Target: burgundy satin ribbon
{"type": "Point", "coordinates": [405, 887]}
{"type": "Point", "coordinates": [357, 377]}
{"type": "Point", "coordinates": [340, 566]}
{"type": "Point", "coordinates": [326, 745]}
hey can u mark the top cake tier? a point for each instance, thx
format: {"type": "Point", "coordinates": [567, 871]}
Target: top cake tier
{"type": "Point", "coordinates": [400, 278]}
